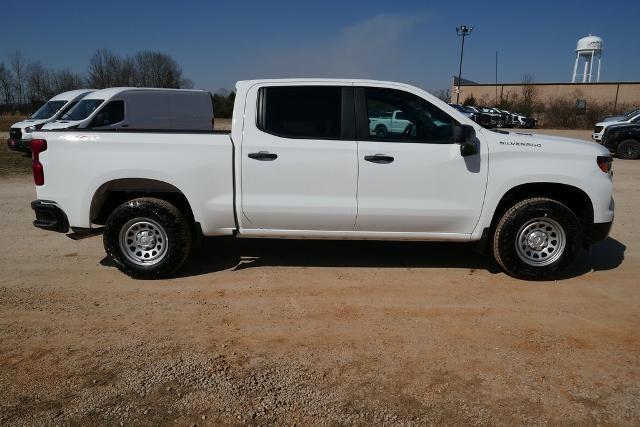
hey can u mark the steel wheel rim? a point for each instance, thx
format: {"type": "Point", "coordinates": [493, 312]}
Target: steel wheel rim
{"type": "Point", "coordinates": [143, 241]}
{"type": "Point", "coordinates": [540, 242]}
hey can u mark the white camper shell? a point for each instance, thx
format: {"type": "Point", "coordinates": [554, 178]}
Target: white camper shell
{"type": "Point", "coordinates": [140, 108]}
{"type": "Point", "coordinates": [20, 132]}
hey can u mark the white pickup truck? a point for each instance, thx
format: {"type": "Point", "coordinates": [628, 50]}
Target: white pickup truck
{"type": "Point", "coordinates": [300, 162]}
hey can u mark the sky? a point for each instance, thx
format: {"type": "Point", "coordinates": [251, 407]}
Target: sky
{"type": "Point", "coordinates": [218, 43]}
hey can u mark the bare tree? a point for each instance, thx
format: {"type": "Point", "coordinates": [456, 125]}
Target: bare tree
{"type": "Point", "coordinates": [65, 80]}
{"type": "Point", "coordinates": [18, 67]}
{"type": "Point", "coordinates": [156, 69]}
{"type": "Point", "coordinates": [443, 94]}
{"type": "Point", "coordinates": [529, 93]}
{"type": "Point", "coordinates": [6, 84]}
{"type": "Point", "coordinates": [38, 83]}
{"type": "Point", "coordinates": [107, 69]}
{"type": "Point", "coordinates": [24, 84]}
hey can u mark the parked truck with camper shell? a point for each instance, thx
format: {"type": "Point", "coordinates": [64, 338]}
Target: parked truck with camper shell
{"type": "Point", "coordinates": [301, 161]}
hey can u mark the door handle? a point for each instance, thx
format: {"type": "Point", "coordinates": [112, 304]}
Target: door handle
{"type": "Point", "coordinates": [379, 158]}
{"type": "Point", "coordinates": [264, 156]}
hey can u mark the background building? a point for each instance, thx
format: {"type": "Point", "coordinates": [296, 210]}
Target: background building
{"type": "Point", "coordinates": [617, 95]}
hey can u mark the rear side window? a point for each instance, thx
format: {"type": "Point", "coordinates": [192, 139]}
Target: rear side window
{"type": "Point", "coordinates": [112, 113]}
{"type": "Point", "coordinates": [311, 112]}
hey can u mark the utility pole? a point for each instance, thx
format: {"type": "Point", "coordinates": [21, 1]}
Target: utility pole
{"type": "Point", "coordinates": [463, 31]}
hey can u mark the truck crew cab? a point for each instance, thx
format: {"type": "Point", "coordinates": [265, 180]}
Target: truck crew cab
{"type": "Point", "coordinates": [301, 161]}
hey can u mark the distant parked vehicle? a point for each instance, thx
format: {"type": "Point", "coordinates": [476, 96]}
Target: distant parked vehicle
{"type": "Point", "coordinates": [20, 133]}
{"type": "Point", "coordinates": [140, 108]}
{"type": "Point", "coordinates": [525, 122]}
{"type": "Point", "coordinates": [508, 117]}
{"type": "Point", "coordinates": [483, 119]}
{"type": "Point", "coordinates": [623, 116]}
{"type": "Point", "coordinates": [599, 128]}
{"type": "Point", "coordinates": [499, 118]}
{"type": "Point", "coordinates": [514, 120]}
{"type": "Point", "coordinates": [466, 111]}
{"type": "Point", "coordinates": [623, 140]}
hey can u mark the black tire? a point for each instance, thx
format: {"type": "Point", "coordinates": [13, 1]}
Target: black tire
{"type": "Point", "coordinates": [629, 149]}
{"type": "Point", "coordinates": [381, 131]}
{"type": "Point", "coordinates": [500, 123]}
{"type": "Point", "coordinates": [164, 219]}
{"type": "Point", "coordinates": [525, 215]}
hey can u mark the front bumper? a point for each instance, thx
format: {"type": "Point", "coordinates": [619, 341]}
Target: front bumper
{"type": "Point", "coordinates": [599, 231]}
{"type": "Point", "coordinates": [596, 136]}
{"type": "Point", "coordinates": [49, 216]}
{"type": "Point", "coordinates": [21, 145]}
{"type": "Point", "coordinates": [609, 145]}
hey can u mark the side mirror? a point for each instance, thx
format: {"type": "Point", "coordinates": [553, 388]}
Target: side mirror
{"type": "Point", "coordinates": [465, 135]}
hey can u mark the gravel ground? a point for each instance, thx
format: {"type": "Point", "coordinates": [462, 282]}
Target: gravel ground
{"type": "Point", "coordinates": [299, 332]}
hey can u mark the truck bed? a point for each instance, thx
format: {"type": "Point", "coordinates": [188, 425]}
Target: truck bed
{"type": "Point", "coordinates": [79, 165]}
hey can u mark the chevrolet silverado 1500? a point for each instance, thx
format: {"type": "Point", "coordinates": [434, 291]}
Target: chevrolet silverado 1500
{"type": "Point", "coordinates": [301, 161]}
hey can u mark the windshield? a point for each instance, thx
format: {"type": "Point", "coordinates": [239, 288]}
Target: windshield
{"type": "Point", "coordinates": [66, 108]}
{"type": "Point", "coordinates": [83, 109]}
{"type": "Point", "coordinates": [632, 112]}
{"type": "Point", "coordinates": [48, 110]}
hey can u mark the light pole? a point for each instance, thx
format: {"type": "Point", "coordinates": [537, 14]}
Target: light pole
{"type": "Point", "coordinates": [496, 104]}
{"type": "Point", "coordinates": [463, 31]}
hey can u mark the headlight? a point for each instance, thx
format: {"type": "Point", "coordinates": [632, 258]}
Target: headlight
{"type": "Point", "coordinates": [29, 129]}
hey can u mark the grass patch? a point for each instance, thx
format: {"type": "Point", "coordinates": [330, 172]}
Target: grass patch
{"type": "Point", "coordinates": [7, 121]}
{"type": "Point", "coordinates": [11, 162]}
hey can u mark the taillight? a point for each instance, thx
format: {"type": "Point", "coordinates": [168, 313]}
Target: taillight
{"type": "Point", "coordinates": [605, 163]}
{"type": "Point", "coordinates": [37, 147]}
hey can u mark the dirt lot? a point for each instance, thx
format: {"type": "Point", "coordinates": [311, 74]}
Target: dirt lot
{"type": "Point", "coordinates": [263, 332]}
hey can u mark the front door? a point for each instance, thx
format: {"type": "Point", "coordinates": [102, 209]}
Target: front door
{"type": "Point", "coordinates": [414, 179]}
{"type": "Point", "coordinates": [299, 159]}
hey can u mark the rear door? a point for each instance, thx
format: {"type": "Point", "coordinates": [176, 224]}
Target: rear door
{"type": "Point", "coordinates": [299, 158]}
{"type": "Point", "coordinates": [415, 179]}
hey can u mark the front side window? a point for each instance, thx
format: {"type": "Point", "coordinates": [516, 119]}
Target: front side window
{"type": "Point", "coordinates": [311, 112]}
{"type": "Point", "coordinates": [395, 115]}
{"type": "Point", "coordinates": [110, 114]}
{"type": "Point", "coordinates": [48, 110]}
{"type": "Point", "coordinates": [83, 109]}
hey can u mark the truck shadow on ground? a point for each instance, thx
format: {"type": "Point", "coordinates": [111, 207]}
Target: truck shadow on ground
{"type": "Point", "coordinates": [217, 254]}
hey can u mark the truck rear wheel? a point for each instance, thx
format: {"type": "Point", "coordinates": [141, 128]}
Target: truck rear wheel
{"type": "Point", "coordinates": [628, 149]}
{"type": "Point", "coordinates": [147, 238]}
{"type": "Point", "coordinates": [536, 238]}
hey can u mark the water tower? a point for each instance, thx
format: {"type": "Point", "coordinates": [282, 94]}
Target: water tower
{"type": "Point", "coordinates": [589, 49]}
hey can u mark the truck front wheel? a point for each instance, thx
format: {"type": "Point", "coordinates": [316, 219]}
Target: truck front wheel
{"type": "Point", "coordinates": [536, 238]}
{"type": "Point", "coordinates": [147, 238]}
